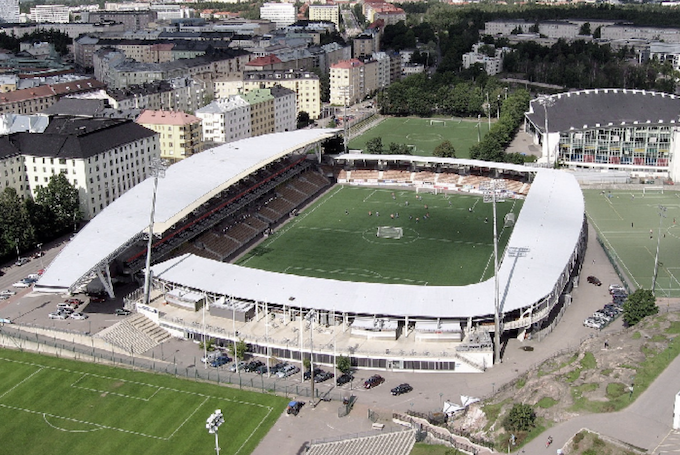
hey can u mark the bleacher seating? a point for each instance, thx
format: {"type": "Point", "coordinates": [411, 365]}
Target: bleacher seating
{"type": "Point", "coordinates": [342, 174]}
{"type": "Point", "coordinates": [364, 174]}
{"type": "Point", "coordinates": [135, 334]}
{"type": "Point", "coordinates": [397, 175]}
{"type": "Point", "coordinates": [424, 176]}
{"type": "Point", "coordinates": [448, 177]}
{"type": "Point", "coordinates": [395, 443]}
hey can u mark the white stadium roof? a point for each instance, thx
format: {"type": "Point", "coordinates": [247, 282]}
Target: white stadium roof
{"type": "Point", "coordinates": [541, 245]}
{"type": "Point", "coordinates": [187, 184]}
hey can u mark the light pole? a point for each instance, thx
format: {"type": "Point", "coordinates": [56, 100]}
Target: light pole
{"type": "Point", "coordinates": [546, 102]}
{"type": "Point", "coordinates": [16, 242]}
{"type": "Point", "coordinates": [662, 215]}
{"type": "Point", "coordinates": [310, 316]}
{"type": "Point", "coordinates": [40, 254]}
{"type": "Point", "coordinates": [213, 424]}
{"type": "Point", "coordinates": [157, 169]}
{"type": "Point", "coordinates": [493, 192]}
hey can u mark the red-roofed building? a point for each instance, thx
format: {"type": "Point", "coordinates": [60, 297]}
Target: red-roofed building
{"type": "Point", "coordinates": [374, 10]}
{"type": "Point", "coordinates": [347, 82]}
{"type": "Point", "coordinates": [268, 62]}
{"type": "Point", "coordinates": [36, 99]}
{"type": "Point", "coordinates": [179, 133]}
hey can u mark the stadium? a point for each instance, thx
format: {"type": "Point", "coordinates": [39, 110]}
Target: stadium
{"type": "Point", "coordinates": [216, 206]}
{"type": "Point", "coordinates": [634, 131]}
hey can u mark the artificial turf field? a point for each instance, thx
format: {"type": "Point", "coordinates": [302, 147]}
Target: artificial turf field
{"type": "Point", "coordinates": [417, 131]}
{"type": "Point", "coordinates": [58, 406]}
{"type": "Point", "coordinates": [450, 248]}
{"type": "Point", "coordinates": [624, 220]}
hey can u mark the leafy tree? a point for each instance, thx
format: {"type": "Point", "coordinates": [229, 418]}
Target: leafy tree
{"type": "Point", "coordinates": [398, 149]}
{"type": "Point", "coordinates": [209, 345]}
{"type": "Point", "coordinates": [536, 28]}
{"type": "Point", "coordinates": [303, 119]}
{"type": "Point", "coordinates": [15, 225]}
{"type": "Point", "coordinates": [307, 364]}
{"type": "Point", "coordinates": [241, 348]}
{"type": "Point", "coordinates": [359, 13]}
{"type": "Point", "coordinates": [520, 418]}
{"type": "Point", "coordinates": [374, 146]}
{"type": "Point", "coordinates": [62, 200]}
{"type": "Point", "coordinates": [445, 150]}
{"type": "Point", "coordinates": [344, 364]}
{"type": "Point", "coordinates": [597, 34]}
{"type": "Point", "coordinates": [639, 305]}
{"type": "Point", "coordinates": [585, 29]}
{"type": "Point", "coordinates": [42, 220]}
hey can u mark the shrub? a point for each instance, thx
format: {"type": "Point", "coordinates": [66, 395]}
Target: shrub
{"type": "Point", "coordinates": [520, 418]}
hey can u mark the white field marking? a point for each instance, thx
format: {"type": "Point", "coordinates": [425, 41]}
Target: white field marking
{"type": "Point", "coordinates": [108, 392]}
{"type": "Point", "coordinates": [369, 196]}
{"type": "Point", "coordinates": [64, 429]}
{"type": "Point", "coordinates": [21, 382]}
{"type": "Point", "coordinates": [612, 207]}
{"type": "Point", "coordinates": [187, 419]}
{"type": "Point", "coordinates": [364, 273]}
{"type": "Point", "coordinates": [254, 430]}
{"type": "Point", "coordinates": [613, 250]}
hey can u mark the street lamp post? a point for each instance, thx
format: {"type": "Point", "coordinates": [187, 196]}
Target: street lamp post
{"type": "Point", "coordinates": [213, 424]}
{"type": "Point", "coordinates": [662, 215]}
{"type": "Point", "coordinates": [16, 243]}
{"type": "Point", "coordinates": [493, 193]}
{"type": "Point", "coordinates": [311, 317]}
{"type": "Point", "coordinates": [157, 169]}
{"type": "Point", "coordinates": [546, 102]}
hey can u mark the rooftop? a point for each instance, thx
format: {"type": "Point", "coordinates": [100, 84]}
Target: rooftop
{"type": "Point", "coordinates": [151, 117]}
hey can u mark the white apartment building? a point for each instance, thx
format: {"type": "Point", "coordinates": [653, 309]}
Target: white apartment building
{"type": "Point", "coordinates": [285, 113]}
{"type": "Point", "coordinates": [227, 86]}
{"type": "Point", "coordinates": [383, 75]}
{"type": "Point", "coordinates": [666, 51]}
{"type": "Point", "coordinates": [9, 11]}
{"type": "Point", "coordinates": [492, 65]}
{"type": "Point", "coordinates": [54, 14]}
{"type": "Point", "coordinates": [103, 158]}
{"type": "Point", "coordinates": [282, 14]}
{"type": "Point", "coordinates": [306, 86]}
{"type": "Point", "coordinates": [225, 120]}
{"type": "Point", "coordinates": [330, 13]}
{"type": "Point", "coordinates": [347, 82]}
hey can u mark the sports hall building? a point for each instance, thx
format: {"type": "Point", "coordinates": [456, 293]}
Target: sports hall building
{"type": "Point", "coordinates": [635, 131]}
{"type": "Point", "coordinates": [216, 204]}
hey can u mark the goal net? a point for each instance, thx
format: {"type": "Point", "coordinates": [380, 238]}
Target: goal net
{"type": "Point", "coordinates": [389, 232]}
{"type": "Point", "coordinates": [437, 123]}
{"type": "Point", "coordinates": [652, 190]}
{"type": "Point", "coordinates": [509, 219]}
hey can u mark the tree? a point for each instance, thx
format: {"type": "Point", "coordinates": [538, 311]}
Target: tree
{"type": "Point", "coordinates": [520, 418]}
{"type": "Point", "coordinates": [399, 149]}
{"type": "Point", "coordinates": [209, 345]}
{"type": "Point", "coordinates": [307, 364]}
{"type": "Point", "coordinates": [374, 146]}
{"type": "Point", "coordinates": [16, 231]}
{"type": "Point", "coordinates": [241, 348]}
{"type": "Point", "coordinates": [344, 364]}
{"type": "Point", "coordinates": [445, 150]}
{"type": "Point", "coordinates": [62, 200]}
{"type": "Point", "coordinates": [585, 29]}
{"type": "Point", "coordinates": [303, 119]}
{"type": "Point", "coordinates": [639, 305]}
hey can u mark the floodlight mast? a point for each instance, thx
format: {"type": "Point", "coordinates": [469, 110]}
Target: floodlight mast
{"type": "Point", "coordinates": [662, 215]}
{"type": "Point", "coordinates": [546, 102]}
{"type": "Point", "coordinates": [494, 192]}
{"type": "Point", "coordinates": [157, 169]}
{"type": "Point", "coordinates": [213, 424]}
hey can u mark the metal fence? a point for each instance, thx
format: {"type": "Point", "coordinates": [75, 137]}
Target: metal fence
{"type": "Point", "coordinates": [197, 372]}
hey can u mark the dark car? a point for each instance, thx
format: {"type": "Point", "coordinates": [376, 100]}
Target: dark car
{"type": "Point", "coordinates": [294, 407]}
{"type": "Point", "coordinates": [594, 280]}
{"type": "Point", "coordinates": [373, 381]}
{"type": "Point", "coordinates": [278, 367]}
{"type": "Point", "coordinates": [401, 388]}
{"type": "Point", "coordinates": [97, 299]}
{"type": "Point", "coordinates": [252, 366]}
{"type": "Point", "coordinates": [308, 374]}
{"type": "Point", "coordinates": [323, 376]}
{"type": "Point", "coordinates": [344, 379]}
{"type": "Point", "coordinates": [262, 369]}
{"type": "Point", "coordinates": [122, 312]}
{"type": "Point", "coordinates": [219, 361]}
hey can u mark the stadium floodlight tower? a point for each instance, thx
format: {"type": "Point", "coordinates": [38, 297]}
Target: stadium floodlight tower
{"type": "Point", "coordinates": [157, 168]}
{"type": "Point", "coordinates": [662, 215]}
{"type": "Point", "coordinates": [213, 424]}
{"type": "Point", "coordinates": [494, 191]}
{"type": "Point", "coordinates": [547, 101]}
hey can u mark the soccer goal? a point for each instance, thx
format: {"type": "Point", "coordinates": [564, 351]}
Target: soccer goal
{"type": "Point", "coordinates": [509, 219]}
{"type": "Point", "coordinates": [652, 190]}
{"type": "Point", "coordinates": [389, 232]}
{"type": "Point", "coordinates": [437, 123]}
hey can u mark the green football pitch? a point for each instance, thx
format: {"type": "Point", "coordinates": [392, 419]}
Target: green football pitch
{"type": "Point", "coordinates": [57, 406]}
{"type": "Point", "coordinates": [336, 238]}
{"type": "Point", "coordinates": [418, 132]}
{"type": "Point", "coordinates": [628, 224]}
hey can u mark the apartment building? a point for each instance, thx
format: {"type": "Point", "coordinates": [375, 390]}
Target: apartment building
{"type": "Point", "coordinates": [101, 157]}
{"type": "Point", "coordinates": [225, 87]}
{"type": "Point", "coordinates": [330, 13]}
{"type": "Point", "coordinates": [481, 54]}
{"type": "Point", "coordinates": [306, 86]}
{"type": "Point", "coordinates": [285, 113]}
{"type": "Point", "coordinates": [366, 43]}
{"type": "Point", "coordinates": [347, 82]}
{"type": "Point", "coordinates": [282, 14]}
{"type": "Point", "coordinates": [53, 14]}
{"type": "Point", "coordinates": [225, 120]}
{"type": "Point", "coordinates": [9, 11]}
{"type": "Point", "coordinates": [262, 114]}
{"type": "Point", "coordinates": [35, 99]}
{"type": "Point", "coordinates": [179, 134]}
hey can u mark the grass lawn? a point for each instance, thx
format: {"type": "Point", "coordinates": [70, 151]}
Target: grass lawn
{"type": "Point", "coordinates": [452, 247]}
{"type": "Point", "coordinates": [417, 131]}
{"type": "Point", "coordinates": [624, 221]}
{"type": "Point", "coordinates": [59, 406]}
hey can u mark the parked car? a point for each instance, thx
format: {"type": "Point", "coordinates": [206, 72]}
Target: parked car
{"type": "Point", "coordinates": [122, 312]}
{"type": "Point", "coordinates": [240, 365]}
{"type": "Point", "coordinates": [262, 369]}
{"type": "Point", "coordinates": [57, 315]}
{"type": "Point", "coordinates": [97, 299]}
{"type": "Point", "coordinates": [288, 370]}
{"type": "Point", "coordinates": [211, 356]}
{"type": "Point", "coordinates": [64, 306]}
{"type": "Point", "coordinates": [252, 366]}
{"type": "Point", "coordinates": [344, 379]}
{"type": "Point", "coordinates": [294, 407]}
{"type": "Point", "coordinates": [594, 280]}
{"type": "Point", "coordinates": [7, 292]}
{"type": "Point", "coordinates": [616, 288]}
{"type": "Point", "coordinates": [308, 374]}
{"type": "Point", "coordinates": [5, 321]}
{"type": "Point", "coordinates": [276, 368]}
{"type": "Point", "coordinates": [22, 261]}
{"type": "Point", "coordinates": [401, 388]}
{"type": "Point", "coordinates": [78, 316]}
{"type": "Point", "coordinates": [323, 376]}
{"type": "Point", "coordinates": [32, 277]}
{"type": "Point", "coordinates": [219, 361]}
{"type": "Point", "coordinates": [75, 302]}
{"type": "Point", "coordinates": [22, 284]}
{"type": "Point", "coordinates": [373, 381]}
{"type": "Point", "coordinates": [38, 254]}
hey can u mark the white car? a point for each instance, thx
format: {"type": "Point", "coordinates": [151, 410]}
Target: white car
{"type": "Point", "coordinates": [5, 321]}
{"type": "Point", "coordinates": [7, 292]}
{"type": "Point", "coordinates": [64, 306]}
{"type": "Point", "coordinates": [22, 284]}
{"type": "Point", "coordinates": [78, 316]}
{"type": "Point", "coordinates": [57, 315]}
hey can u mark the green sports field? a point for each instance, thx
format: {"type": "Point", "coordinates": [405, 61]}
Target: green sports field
{"type": "Point", "coordinates": [418, 132]}
{"type": "Point", "coordinates": [57, 406]}
{"type": "Point", "coordinates": [623, 220]}
{"type": "Point", "coordinates": [336, 238]}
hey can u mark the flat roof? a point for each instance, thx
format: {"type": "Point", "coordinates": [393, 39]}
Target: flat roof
{"type": "Point", "coordinates": [187, 184]}
{"type": "Point", "coordinates": [542, 243]}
